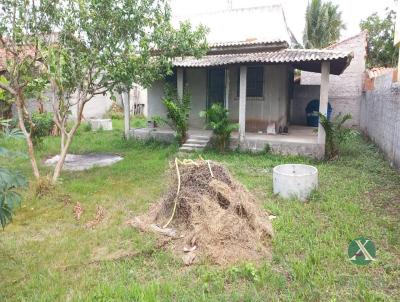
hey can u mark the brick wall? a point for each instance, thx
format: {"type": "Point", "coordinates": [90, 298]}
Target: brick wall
{"type": "Point", "coordinates": [380, 116]}
{"type": "Point", "coordinates": [345, 91]}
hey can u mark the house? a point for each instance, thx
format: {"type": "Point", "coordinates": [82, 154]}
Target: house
{"type": "Point", "coordinates": [249, 69]}
{"type": "Point", "coordinates": [345, 90]}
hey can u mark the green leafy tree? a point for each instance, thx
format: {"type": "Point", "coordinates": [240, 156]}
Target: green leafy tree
{"type": "Point", "coordinates": [217, 119]}
{"type": "Point", "coordinates": [23, 24]}
{"type": "Point", "coordinates": [323, 24]}
{"type": "Point", "coordinates": [101, 46]}
{"type": "Point", "coordinates": [178, 110]}
{"type": "Point", "coordinates": [381, 51]}
{"type": "Point", "coordinates": [105, 46]}
{"type": "Point", "coordinates": [335, 133]}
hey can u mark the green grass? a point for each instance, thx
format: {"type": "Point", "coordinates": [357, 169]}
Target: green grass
{"type": "Point", "coordinates": [46, 255]}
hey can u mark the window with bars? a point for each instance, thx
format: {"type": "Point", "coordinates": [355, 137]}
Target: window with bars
{"type": "Point", "coordinates": [255, 81]}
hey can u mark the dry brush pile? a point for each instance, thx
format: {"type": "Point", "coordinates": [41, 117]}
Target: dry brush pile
{"type": "Point", "coordinates": [209, 216]}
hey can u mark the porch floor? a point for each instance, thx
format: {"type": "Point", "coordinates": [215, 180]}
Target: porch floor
{"type": "Point", "coordinates": [297, 134]}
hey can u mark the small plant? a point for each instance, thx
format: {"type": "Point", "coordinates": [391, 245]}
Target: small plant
{"type": "Point", "coordinates": [87, 127]}
{"type": "Point", "coordinates": [267, 149]}
{"type": "Point", "coordinates": [336, 134]}
{"type": "Point", "coordinates": [7, 131]}
{"type": "Point", "coordinates": [217, 119]}
{"type": "Point", "coordinates": [178, 110]}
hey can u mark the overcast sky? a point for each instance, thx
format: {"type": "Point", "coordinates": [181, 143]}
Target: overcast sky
{"type": "Point", "coordinates": [352, 10]}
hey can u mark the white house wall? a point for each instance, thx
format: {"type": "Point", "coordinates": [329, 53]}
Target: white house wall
{"type": "Point", "coordinates": [272, 107]}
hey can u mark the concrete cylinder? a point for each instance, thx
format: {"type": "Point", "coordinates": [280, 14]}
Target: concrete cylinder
{"type": "Point", "coordinates": [295, 181]}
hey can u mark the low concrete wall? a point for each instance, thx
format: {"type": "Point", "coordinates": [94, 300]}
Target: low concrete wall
{"type": "Point", "coordinates": [284, 148]}
{"type": "Point", "coordinates": [380, 117]}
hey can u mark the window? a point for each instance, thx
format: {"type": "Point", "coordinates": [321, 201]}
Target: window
{"type": "Point", "coordinates": [255, 81]}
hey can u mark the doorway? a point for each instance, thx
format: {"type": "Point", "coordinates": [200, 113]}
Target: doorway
{"type": "Point", "coordinates": [215, 86]}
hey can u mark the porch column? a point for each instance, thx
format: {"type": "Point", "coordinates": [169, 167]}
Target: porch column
{"type": "Point", "coordinates": [323, 99]}
{"type": "Point", "coordinates": [179, 82]}
{"type": "Point", "coordinates": [242, 103]}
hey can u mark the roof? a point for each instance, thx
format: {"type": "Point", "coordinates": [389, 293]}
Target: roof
{"type": "Point", "coordinates": [246, 47]}
{"type": "Point", "coordinates": [363, 34]}
{"type": "Point", "coordinates": [304, 59]}
{"type": "Point", "coordinates": [28, 52]}
{"type": "Point", "coordinates": [227, 27]}
{"type": "Point", "coordinates": [378, 71]}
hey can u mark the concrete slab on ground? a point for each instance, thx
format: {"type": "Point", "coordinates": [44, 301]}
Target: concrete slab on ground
{"type": "Point", "coordinates": [81, 162]}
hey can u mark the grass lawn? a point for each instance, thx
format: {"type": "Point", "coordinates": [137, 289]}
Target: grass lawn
{"type": "Point", "coordinates": [46, 255]}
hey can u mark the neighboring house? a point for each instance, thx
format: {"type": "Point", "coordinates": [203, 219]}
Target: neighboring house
{"type": "Point", "coordinates": [249, 69]}
{"type": "Point", "coordinates": [345, 90]}
{"type": "Point", "coordinates": [95, 108]}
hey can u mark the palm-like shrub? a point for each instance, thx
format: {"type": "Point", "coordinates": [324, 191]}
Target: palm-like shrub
{"type": "Point", "coordinates": [217, 119]}
{"type": "Point", "coordinates": [10, 181]}
{"type": "Point", "coordinates": [178, 110]}
{"type": "Point", "coordinates": [336, 134]}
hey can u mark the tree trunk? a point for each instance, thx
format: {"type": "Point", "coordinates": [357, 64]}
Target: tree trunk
{"type": "Point", "coordinates": [127, 108]}
{"type": "Point", "coordinates": [66, 140]}
{"type": "Point", "coordinates": [31, 152]}
{"type": "Point", "coordinates": [63, 154]}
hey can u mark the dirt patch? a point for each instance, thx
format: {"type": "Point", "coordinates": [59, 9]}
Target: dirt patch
{"type": "Point", "coordinates": [215, 219]}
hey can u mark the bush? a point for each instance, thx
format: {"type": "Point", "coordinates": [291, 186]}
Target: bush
{"type": "Point", "coordinates": [9, 182]}
{"type": "Point", "coordinates": [178, 110]}
{"type": "Point", "coordinates": [42, 126]}
{"type": "Point", "coordinates": [217, 119]}
{"type": "Point", "coordinates": [336, 134]}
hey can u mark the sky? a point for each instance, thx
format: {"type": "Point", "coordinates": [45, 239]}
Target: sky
{"type": "Point", "coordinates": [353, 11]}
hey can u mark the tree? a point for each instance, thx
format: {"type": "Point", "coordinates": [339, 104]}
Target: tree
{"type": "Point", "coordinates": [323, 24]}
{"type": "Point", "coordinates": [381, 51]}
{"type": "Point", "coordinates": [104, 46]}
{"type": "Point", "coordinates": [22, 25]}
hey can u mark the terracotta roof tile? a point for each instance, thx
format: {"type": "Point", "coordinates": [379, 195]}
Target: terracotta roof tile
{"type": "Point", "coordinates": [378, 71]}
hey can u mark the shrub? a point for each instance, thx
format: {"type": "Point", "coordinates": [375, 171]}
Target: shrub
{"type": "Point", "coordinates": [9, 182]}
{"type": "Point", "coordinates": [217, 119]}
{"type": "Point", "coordinates": [87, 127]}
{"type": "Point", "coordinates": [336, 134]}
{"type": "Point", "coordinates": [178, 110]}
{"type": "Point", "coordinates": [42, 126]}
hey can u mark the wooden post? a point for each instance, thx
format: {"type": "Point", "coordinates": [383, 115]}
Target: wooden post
{"type": "Point", "coordinates": [227, 83]}
{"type": "Point", "coordinates": [242, 103]}
{"type": "Point", "coordinates": [323, 99]}
{"type": "Point", "coordinates": [127, 113]}
{"type": "Point", "coordinates": [179, 82]}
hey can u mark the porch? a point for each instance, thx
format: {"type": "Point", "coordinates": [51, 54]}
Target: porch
{"type": "Point", "coordinates": [300, 140]}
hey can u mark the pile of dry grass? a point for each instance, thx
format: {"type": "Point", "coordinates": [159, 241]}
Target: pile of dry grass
{"type": "Point", "coordinates": [216, 218]}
